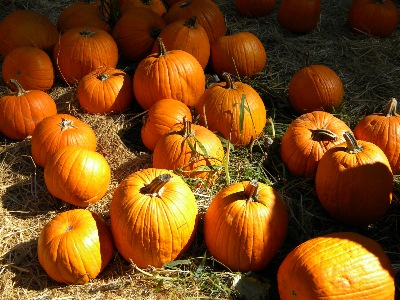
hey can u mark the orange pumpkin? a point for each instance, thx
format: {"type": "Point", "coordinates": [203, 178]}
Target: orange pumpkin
{"type": "Point", "coordinates": [153, 217]}
{"type": "Point", "coordinates": [75, 246]}
{"type": "Point", "coordinates": [155, 5]}
{"type": "Point", "coordinates": [254, 8]}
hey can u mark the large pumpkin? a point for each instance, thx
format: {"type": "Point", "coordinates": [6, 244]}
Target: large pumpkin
{"type": "Point", "coordinates": [172, 74]}
{"type": "Point", "coordinates": [254, 8]}
{"type": "Point", "coordinates": [57, 131]}
{"type": "Point", "coordinates": [383, 129]}
{"type": "Point", "coordinates": [153, 217]}
{"type": "Point", "coordinates": [77, 175]}
{"type": "Point", "coordinates": [75, 246]}
{"type": "Point", "coordinates": [340, 265]}
{"type": "Point", "coordinates": [354, 182]}
{"type": "Point", "coordinates": [307, 138]}
{"type": "Point", "coordinates": [245, 225]}
{"type": "Point", "coordinates": [21, 111]}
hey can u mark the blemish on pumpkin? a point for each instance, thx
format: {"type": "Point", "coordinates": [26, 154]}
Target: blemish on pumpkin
{"type": "Point", "coordinates": [293, 293]}
{"type": "Point", "coordinates": [69, 228]}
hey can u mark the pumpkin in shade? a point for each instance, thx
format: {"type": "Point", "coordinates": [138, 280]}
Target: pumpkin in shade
{"type": "Point", "coordinates": [207, 12]}
{"type": "Point", "coordinates": [55, 132]}
{"type": "Point", "coordinates": [75, 246]}
{"type": "Point", "coordinates": [241, 54]}
{"type": "Point", "coordinates": [307, 138]}
{"type": "Point", "coordinates": [234, 109]}
{"type": "Point", "coordinates": [191, 149]}
{"type": "Point", "coordinates": [339, 265]}
{"type": "Point", "coordinates": [187, 35]}
{"type": "Point", "coordinates": [378, 18]}
{"type": "Point", "coordinates": [153, 217]}
{"type": "Point", "coordinates": [245, 225]}
{"type": "Point", "coordinates": [299, 16]}
{"type": "Point", "coordinates": [172, 74]}
{"type": "Point", "coordinates": [81, 50]}
{"type": "Point", "coordinates": [27, 28]}
{"type": "Point", "coordinates": [21, 111]}
{"type": "Point", "coordinates": [136, 32]}
{"type": "Point", "coordinates": [30, 66]}
{"type": "Point", "coordinates": [160, 118]}
{"type": "Point", "coordinates": [105, 90]}
{"type": "Point", "coordinates": [383, 130]}
{"type": "Point", "coordinates": [77, 175]}
{"type": "Point", "coordinates": [155, 5]}
{"type": "Point", "coordinates": [354, 182]}
{"type": "Point", "coordinates": [254, 8]}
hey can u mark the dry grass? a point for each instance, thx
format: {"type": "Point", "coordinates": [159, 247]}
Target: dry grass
{"type": "Point", "coordinates": [369, 69]}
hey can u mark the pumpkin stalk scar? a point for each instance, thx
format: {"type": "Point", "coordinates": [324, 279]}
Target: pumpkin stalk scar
{"type": "Point", "coordinates": [156, 187]}
{"type": "Point", "coordinates": [87, 33]}
{"type": "Point", "coordinates": [352, 146]}
{"type": "Point", "coordinates": [251, 191]}
{"type": "Point", "coordinates": [66, 124]}
{"type": "Point", "coordinates": [69, 228]}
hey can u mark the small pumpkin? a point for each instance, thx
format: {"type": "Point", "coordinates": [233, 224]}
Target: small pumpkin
{"type": "Point", "coordinates": [307, 138]}
{"type": "Point", "coordinates": [57, 131]}
{"type": "Point", "coordinates": [354, 182]}
{"type": "Point", "coordinates": [160, 118]}
{"type": "Point", "coordinates": [75, 246]}
{"type": "Point", "coordinates": [155, 5]}
{"type": "Point", "coordinates": [21, 111]}
{"type": "Point", "coordinates": [154, 217]}
{"type": "Point", "coordinates": [339, 265]}
{"type": "Point", "coordinates": [245, 225]}
{"type": "Point", "coordinates": [254, 8]}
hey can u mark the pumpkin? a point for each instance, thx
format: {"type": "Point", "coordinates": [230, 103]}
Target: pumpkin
{"type": "Point", "coordinates": [339, 265]}
{"type": "Point", "coordinates": [77, 175]}
{"type": "Point", "coordinates": [57, 131]}
{"type": "Point", "coordinates": [241, 54]}
{"type": "Point", "coordinates": [172, 74]}
{"type": "Point", "coordinates": [307, 138]}
{"type": "Point", "coordinates": [378, 18]}
{"type": "Point", "coordinates": [154, 217]}
{"type": "Point", "coordinates": [81, 50]}
{"type": "Point", "coordinates": [245, 225]}
{"type": "Point", "coordinates": [75, 246]}
{"type": "Point", "coordinates": [105, 90]}
{"type": "Point", "coordinates": [21, 111]}
{"type": "Point", "coordinates": [160, 118]}
{"type": "Point", "coordinates": [354, 182]}
{"type": "Point", "coordinates": [207, 12]}
{"type": "Point", "coordinates": [315, 87]}
{"type": "Point", "coordinates": [254, 8]}
{"type": "Point", "coordinates": [27, 28]}
{"type": "Point", "coordinates": [155, 5]}
{"type": "Point", "coordinates": [191, 149]}
{"type": "Point", "coordinates": [382, 130]}
{"type": "Point", "coordinates": [234, 109]}
{"type": "Point", "coordinates": [30, 66]}
{"type": "Point", "coordinates": [299, 16]}
{"type": "Point", "coordinates": [187, 35]}
{"type": "Point", "coordinates": [136, 32]}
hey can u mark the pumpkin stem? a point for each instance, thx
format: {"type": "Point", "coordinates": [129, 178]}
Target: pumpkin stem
{"type": "Point", "coordinates": [352, 146]}
{"type": "Point", "coordinates": [146, 2]}
{"type": "Point", "coordinates": [87, 33]}
{"type": "Point", "coordinates": [228, 80]}
{"type": "Point", "coordinates": [18, 86]}
{"type": "Point", "coordinates": [390, 109]}
{"type": "Point", "coordinates": [156, 186]}
{"type": "Point", "coordinates": [66, 124]}
{"type": "Point", "coordinates": [251, 191]}
{"type": "Point", "coordinates": [191, 22]}
{"type": "Point", "coordinates": [161, 47]}
{"type": "Point", "coordinates": [187, 128]}
{"type": "Point", "coordinates": [185, 4]}
{"type": "Point", "coordinates": [103, 76]}
{"type": "Point", "coordinates": [322, 134]}
{"type": "Point", "coordinates": [69, 228]}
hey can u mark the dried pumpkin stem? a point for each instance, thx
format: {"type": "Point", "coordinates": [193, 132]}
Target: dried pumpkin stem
{"type": "Point", "coordinates": [103, 77]}
{"type": "Point", "coordinates": [87, 33]}
{"type": "Point", "coordinates": [390, 109]}
{"type": "Point", "coordinates": [66, 124]}
{"type": "Point", "coordinates": [18, 86]}
{"type": "Point", "coordinates": [146, 2]}
{"type": "Point", "coordinates": [156, 186]}
{"type": "Point", "coordinates": [352, 146]}
{"type": "Point", "coordinates": [322, 134]}
{"type": "Point", "coordinates": [251, 191]}
{"type": "Point", "coordinates": [161, 47]}
{"type": "Point", "coordinates": [187, 128]}
{"type": "Point", "coordinates": [228, 80]}
{"type": "Point", "coordinates": [191, 22]}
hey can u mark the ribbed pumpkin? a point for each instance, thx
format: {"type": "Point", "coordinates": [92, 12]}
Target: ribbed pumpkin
{"type": "Point", "coordinates": [27, 28]}
{"type": "Point", "coordinates": [75, 246]}
{"type": "Point", "coordinates": [207, 12]}
{"type": "Point", "coordinates": [21, 111]}
{"type": "Point", "coordinates": [160, 118]}
{"type": "Point", "coordinates": [155, 5]}
{"type": "Point", "coordinates": [30, 66]}
{"type": "Point", "coordinates": [382, 130]}
{"type": "Point", "coordinates": [307, 138]}
{"type": "Point", "coordinates": [58, 131]}
{"type": "Point", "coordinates": [378, 18]}
{"type": "Point", "coordinates": [153, 217]}
{"type": "Point", "coordinates": [191, 149]}
{"type": "Point", "coordinates": [245, 225]}
{"type": "Point", "coordinates": [172, 74]}
{"type": "Point", "coordinates": [254, 8]}
{"type": "Point", "coordinates": [340, 265]}
{"type": "Point", "coordinates": [81, 50]}
{"type": "Point", "coordinates": [77, 175]}
{"type": "Point", "coordinates": [241, 54]}
{"type": "Point", "coordinates": [354, 182]}
{"type": "Point", "coordinates": [299, 16]}
{"type": "Point", "coordinates": [187, 35]}
{"type": "Point", "coordinates": [234, 109]}
{"type": "Point", "coordinates": [105, 90]}
{"type": "Point", "coordinates": [136, 32]}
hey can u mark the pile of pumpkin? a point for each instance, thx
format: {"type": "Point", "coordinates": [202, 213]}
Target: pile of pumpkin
{"type": "Point", "coordinates": [153, 212]}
